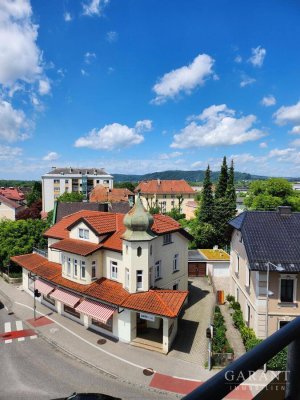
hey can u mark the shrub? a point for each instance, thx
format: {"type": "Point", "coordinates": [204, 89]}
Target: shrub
{"type": "Point", "coordinates": [230, 298]}
{"type": "Point", "coordinates": [252, 342]}
{"type": "Point", "coordinates": [278, 362]}
{"type": "Point", "coordinates": [235, 305]}
{"type": "Point", "coordinates": [238, 319]}
{"type": "Point", "coordinates": [220, 342]}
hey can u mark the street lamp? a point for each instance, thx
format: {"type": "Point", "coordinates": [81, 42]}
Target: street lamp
{"type": "Point", "coordinates": [278, 268]}
{"type": "Point", "coordinates": [36, 293]}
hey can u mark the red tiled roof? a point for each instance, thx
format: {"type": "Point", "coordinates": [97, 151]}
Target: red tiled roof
{"type": "Point", "coordinates": [74, 246]}
{"type": "Point", "coordinates": [160, 302]}
{"type": "Point", "coordinates": [100, 193]}
{"type": "Point", "coordinates": [9, 202]}
{"type": "Point", "coordinates": [103, 222]}
{"type": "Point", "coordinates": [60, 231]}
{"type": "Point", "coordinates": [108, 290]}
{"type": "Point", "coordinates": [12, 194]}
{"type": "Point", "coordinates": [164, 187]}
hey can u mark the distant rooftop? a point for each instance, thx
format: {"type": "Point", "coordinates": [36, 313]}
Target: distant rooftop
{"type": "Point", "coordinates": [77, 171]}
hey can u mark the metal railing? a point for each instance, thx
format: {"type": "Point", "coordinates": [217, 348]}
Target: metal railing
{"type": "Point", "coordinates": [41, 252]}
{"type": "Point", "coordinates": [237, 372]}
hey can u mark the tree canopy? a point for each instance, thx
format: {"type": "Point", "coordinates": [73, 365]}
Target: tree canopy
{"type": "Point", "coordinates": [271, 193]}
{"type": "Point", "coordinates": [72, 197]}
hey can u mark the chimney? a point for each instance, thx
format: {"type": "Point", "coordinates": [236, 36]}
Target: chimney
{"type": "Point", "coordinates": [71, 170]}
{"type": "Point", "coordinates": [285, 210]}
{"type": "Point", "coordinates": [158, 181]}
{"type": "Point", "coordinates": [216, 247]}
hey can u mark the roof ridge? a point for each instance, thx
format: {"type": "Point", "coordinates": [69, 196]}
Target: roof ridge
{"type": "Point", "coordinates": [162, 301]}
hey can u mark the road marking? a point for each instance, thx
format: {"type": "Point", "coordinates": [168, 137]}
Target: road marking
{"type": "Point", "coordinates": [19, 325]}
{"type": "Point", "coordinates": [7, 328]}
{"type": "Point", "coordinates": [33, 337]}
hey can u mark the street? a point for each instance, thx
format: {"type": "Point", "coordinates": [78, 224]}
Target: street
{"type": "Point", "coordinates": [33, 369]}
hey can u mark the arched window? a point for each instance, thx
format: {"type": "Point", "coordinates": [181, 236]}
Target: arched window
{"type": "Point", "coordinates": [139, 251]}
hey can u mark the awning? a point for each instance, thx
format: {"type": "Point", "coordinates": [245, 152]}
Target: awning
{"type": "Point", "coordinates": [65, 297]}
{"type": "Point", "coordinates": [100, 312]}
{"type": "Point", "coordinates": [43, 287]}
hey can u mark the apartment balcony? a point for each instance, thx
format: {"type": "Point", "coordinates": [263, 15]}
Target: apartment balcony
{"type": "Point", "coordinates": [225, 381]}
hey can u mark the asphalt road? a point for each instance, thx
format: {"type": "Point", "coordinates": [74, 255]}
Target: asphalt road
{"type": "Point", "coordinates": [33, 369]}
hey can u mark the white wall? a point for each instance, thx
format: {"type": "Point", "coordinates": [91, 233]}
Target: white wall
{"type": "Point", "coordinates": [7, 212]}
{"type": "Point", "coordinates": [74, 233]}
{"type": "Point", "coordinates": [216, 268]}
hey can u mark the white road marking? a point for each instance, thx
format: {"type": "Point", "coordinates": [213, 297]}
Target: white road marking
{"type": "Point", "coordinates": [19, 325]}
{"type": "Point", "coordinates": [7, 328]}
{"type": "Point", "coordinates": [33, 337]}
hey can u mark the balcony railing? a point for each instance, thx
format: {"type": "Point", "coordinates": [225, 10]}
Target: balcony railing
{"type": "Point", "coordinates": [41, 252]}
{"type": "Point", "coordinates": [232, 376]}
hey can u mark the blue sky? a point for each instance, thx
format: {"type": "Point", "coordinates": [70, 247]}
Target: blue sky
{"type": "Point", "coordinates": [144, 86]}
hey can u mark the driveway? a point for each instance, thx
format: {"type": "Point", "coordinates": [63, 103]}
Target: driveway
{"type": "Point", "coordinates": [191, 343]}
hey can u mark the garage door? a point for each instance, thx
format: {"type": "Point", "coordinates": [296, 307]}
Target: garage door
{"type": "Point", "coordinates": [197, 269]}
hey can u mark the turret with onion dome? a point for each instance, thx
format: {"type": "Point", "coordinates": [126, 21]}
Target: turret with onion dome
{"type": "Point", "coordinates": [138, 223]}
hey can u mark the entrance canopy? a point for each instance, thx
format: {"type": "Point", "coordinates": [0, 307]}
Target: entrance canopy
{"type": "Point", "coordinates": [43, 287]}
{"type": "Point", "coordinates": [100, 312]}
{"type": "Point", "coordinates": [65, 297]}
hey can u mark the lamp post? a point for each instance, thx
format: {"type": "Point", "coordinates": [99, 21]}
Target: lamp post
{"type": "Point", "coordinates": [33, 276]}
{"type": "Point", "coordinates": [278, 268]}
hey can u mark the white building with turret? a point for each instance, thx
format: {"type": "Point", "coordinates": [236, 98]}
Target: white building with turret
{"type": "Point", "coordinates": [125, 277]}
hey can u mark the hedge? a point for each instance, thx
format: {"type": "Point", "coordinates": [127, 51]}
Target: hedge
{"type": "Point", "coordinates": [220, 342]}
{"type": "Point", "coordinates": [278, 362]}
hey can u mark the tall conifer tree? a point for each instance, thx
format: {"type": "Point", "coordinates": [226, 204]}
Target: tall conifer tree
{"type": "Point", "coordinates": [223, 180]}
{"type": "Point", "coordinates": [230, 192]}
{"type": "Point", "coordinates": [207, 200]}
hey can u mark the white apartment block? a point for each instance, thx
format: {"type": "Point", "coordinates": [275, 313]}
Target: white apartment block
{"type": "Point", "coordinates": [81, 180]}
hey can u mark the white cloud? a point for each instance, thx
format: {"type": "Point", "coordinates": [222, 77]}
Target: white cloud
{"type": "Point", "coordinates": [67, 17]}
{"type": "Point", "coordinates": [246, 81]}
{"type": "Point", "coordinates": [288, 115]}
{"type": "Point", "coordinates": [89, 57]}
{"type": "Point", "coordinates": [51, 156]}
{"type": "Point", "coordinates": [9, 153]}
{"type": "Point", "coordinates": [183, 79]}
{"type": "Point", "coordinates": [83, 72]}
{"type": "Point", "coordinates": [13, 123]}
{"type": "Point", "coordinates": [296, 130]}
{"type": "Point", "coordinates": [21, 59]}
{"type": "Point", "coordinates": [167, 156]}
{"type": "Point", "coordinates": [112, 36]}
{"type": "Point", "coordinates": [114, 136]}
{"type": "Point", "coordinates": [263, 145]}
{"type": "Point", "coordinates": [242, 158]}
{"type": "Point", "coordinates": [281, 152]}
{"type": "Point", "coordinates": [199, 164]}
{"type": "Point", "coordinates": [218, 126]}
{"type": "Point", "coordinates": [94, 7]}
{"type": "Point", "coordinates": [44, 87]}
{"type": "Point", "coordinates": [238, 59]}
{"type": "Point", "coordinates": [268, 101]}
{"type": "Point", "coordinates": [258, 56]}
{"type": "Point", "coordinates": [296, 143]}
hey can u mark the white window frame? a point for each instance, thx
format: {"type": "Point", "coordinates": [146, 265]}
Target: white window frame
{"type": "Point", "coordinates": [294, 279]}
{"type": "Point", "coordinates": [167, 238]}
{"type": "Point", "coordinates": [237, 264]}
{"type": "Point", "coordinates": [75, 270]}
{"type": "Point", "coordinates": [248, 275]}
{"type": "Point", "coordinates": [83, 233]}
{"type": "Point", "coordinates": [157, 270]}
{"type": "Point", "coordinates": [127, 277]}
{"type": "Point", "coordinates": [114, 270]}
{"type": "Point", "coordinates": [69, 266]}
{"type": "Point", "coordinates": [139, 274]}
{"type": "Point", "coordinates": [82, 268]}
{"type": "Point", "coordinates": [94, 270]}
{"type": "Point", "coordinates": [176, 263]}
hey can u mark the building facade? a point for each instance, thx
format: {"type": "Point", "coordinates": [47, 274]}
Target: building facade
{"type": "Point", "coordinates": [9, 209]}
{"type": "Point", "coordinates": [265, 259]}
{"type": "Point", "coordinates": [125, 277]}
{"type": "Point", "coordinates": [80, 180]}
{"type": "Point", "coordinates": [166, 194]}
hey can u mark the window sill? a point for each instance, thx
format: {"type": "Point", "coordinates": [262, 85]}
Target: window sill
{"type": "Point", "coordinates": [165, 244]}
{"type": "Point", "coordinates": [176, 270]}
{"type": "Point", "coordinates": [291, 305]}
{"type": "Point", "coordinates": [157, 279]}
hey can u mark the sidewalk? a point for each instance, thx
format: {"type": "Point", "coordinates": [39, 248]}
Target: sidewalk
{"type": "Point", "coordinates": [119, 360]}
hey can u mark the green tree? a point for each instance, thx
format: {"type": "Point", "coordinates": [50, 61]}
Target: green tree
{"type": "Point", "coordinates": [126, 185]}
{"type": "Point", "coordinates": [222, 181]}
{"type": "Point", "coordinates": [19, 237]}
{"type": "Point", "coordinates": [35, 194]}
{"type": "Point", "coordinates": [271, 193]}
{"type": "Point", "coordinates": [230, 194]}
{"type": "Point", "coordinates": [205, 214]}
{"type": "Point", "coordinates": [175, 214]}
{"type": "Point", "coordinates": [72, 197]}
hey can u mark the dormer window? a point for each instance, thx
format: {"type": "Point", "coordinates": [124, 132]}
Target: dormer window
{"type": "Point", "coordinates": [139, 251]}
{"type": "Point", "coordinates": [83, 233]}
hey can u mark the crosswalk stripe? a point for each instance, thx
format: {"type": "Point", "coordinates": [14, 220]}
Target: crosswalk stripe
{"type": "Point", "coordinates": [19, 325]}
{"type": "Point", "coordinates": [7, 328]}
{"type": "Point", "coordinates": [33, 337]}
